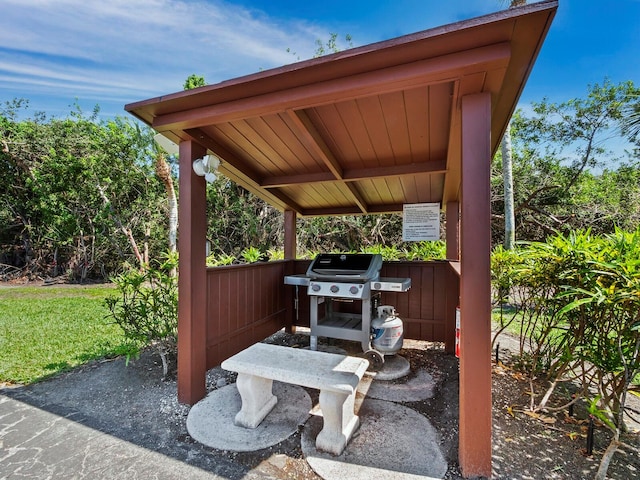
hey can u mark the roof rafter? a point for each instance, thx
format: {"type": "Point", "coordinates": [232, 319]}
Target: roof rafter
{"type": "Point", "coordinates": [238, 171]}
{"type": "Point", "coordinates": [356, 174]}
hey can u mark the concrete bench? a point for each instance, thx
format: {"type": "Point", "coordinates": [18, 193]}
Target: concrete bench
{"type": "Point", "coordinates": [336, 376]}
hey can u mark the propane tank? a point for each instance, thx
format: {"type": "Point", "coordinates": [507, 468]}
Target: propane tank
{"type": "Point", "coordinates": [387, 330]}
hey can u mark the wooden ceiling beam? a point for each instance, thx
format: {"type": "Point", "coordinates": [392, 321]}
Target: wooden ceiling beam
{"type": "Point", "coordinates": [237, 170]}
{"type": "Point", "coordinates": [285, 180]}
{"type": "Point", "coordinates": [376, 82]}
{"type": "Point", "coordinates": [385, 208]}
{"type": "Point", "coordinates": [324, 211]}
{"type": "Point", "coordinates": [357, 174]}
{"type": "Point", "coordinates": [313, 140]}
{"type": "Point", "coordinates": [357, 197]}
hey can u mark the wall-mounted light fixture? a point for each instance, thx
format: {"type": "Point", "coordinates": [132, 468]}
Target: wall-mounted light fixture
{"type": "Point", "coordinates": [206, 167]}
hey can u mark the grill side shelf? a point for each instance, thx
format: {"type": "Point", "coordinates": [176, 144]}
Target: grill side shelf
{"type": "Point", "coordinates": [299, 279]}
{"type": "Point", "coordinates": [390, 284]}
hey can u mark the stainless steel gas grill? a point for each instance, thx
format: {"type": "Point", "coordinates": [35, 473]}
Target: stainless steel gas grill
{"type": "Point", "coordinates": [345, 278]}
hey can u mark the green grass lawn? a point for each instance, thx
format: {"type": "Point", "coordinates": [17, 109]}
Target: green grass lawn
{"type": "Point", "coordinates": [47, 330]}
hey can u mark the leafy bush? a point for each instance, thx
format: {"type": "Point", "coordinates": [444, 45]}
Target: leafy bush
{"type": "Point", "coordinates": [426, 251]}
{"type": "Point", "coordinates": [251, 254]}
{"type": "Point", "coordinates": [147, 308]}
{"type": "Point", "coordinates": [218, 260]}
{"type": "Point", "coordinates": [578, 298]}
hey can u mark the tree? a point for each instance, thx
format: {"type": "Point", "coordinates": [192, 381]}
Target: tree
{"type": "Point", "coordinates": [631, 124]}
{"type": "Point", "coordinates": [78, 194]}
{"type": "Point", "coordinates": [163, 171]}
{"type": "Point", "coordinates": [565, 175]}
{"type": "Point", "coordinates": [194, 81]}
{"type": "Point", "coordinates": [507, 174]}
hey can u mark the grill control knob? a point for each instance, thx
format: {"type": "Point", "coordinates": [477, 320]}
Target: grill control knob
{"type": "Point", "coordinates": [353, 289]}
{"type": "Point", "coordinates": [315, 287]}
{"type": "Point", "coordinates": [376, 286]}
{"type": "Point", "coordinates": [334, 289]}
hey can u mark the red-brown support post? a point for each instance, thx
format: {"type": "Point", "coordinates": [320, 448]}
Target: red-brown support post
{"type": "Point", "coordinates": [290, 247]}
{"type": "Point", "coordinates": [453, 230]}
{"type": "Point", "coordinates": [475, 288]}
{"type": "Point", "coordinates": [192, 280]}
{"type": "Point", "coordinates": [290, 235]}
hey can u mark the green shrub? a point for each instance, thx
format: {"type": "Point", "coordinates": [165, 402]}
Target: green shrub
{"type": "Point", "coordinates": [216, 261]}
{"type": "Point", "coordinates": [147, 308]}
{"type": "Point", "coordinates": [426, 251]}
{"type": "Point", "coordinates": [578, 297]}
{"type": "Point", "coordinates": [251, 254]}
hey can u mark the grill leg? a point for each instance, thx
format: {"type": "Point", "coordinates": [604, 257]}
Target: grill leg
{"type": "Point", "coordinates": [313, 321]}
{"type": "Point", "coordinates": [366, 325]}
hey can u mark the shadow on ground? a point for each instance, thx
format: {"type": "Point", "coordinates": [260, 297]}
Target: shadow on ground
{"type": "Point", "coordinates": [109, 420]}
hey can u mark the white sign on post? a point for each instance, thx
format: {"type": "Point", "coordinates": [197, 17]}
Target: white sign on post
{"type": "Point", "coordinates": [421, 221]}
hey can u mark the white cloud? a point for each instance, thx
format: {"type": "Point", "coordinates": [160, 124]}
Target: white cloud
{"type": "Point", "coordinates": [137, 48]}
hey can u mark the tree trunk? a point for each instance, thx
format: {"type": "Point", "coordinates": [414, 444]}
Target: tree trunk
{"type": "Point", "coordinates": [507, 175]}
{"type": "Point", "coordinates": [127, 231]}
{"type": "Point", "coordinates": [164, 173]}
{"type": "Point", "coordinates": [601, 474]}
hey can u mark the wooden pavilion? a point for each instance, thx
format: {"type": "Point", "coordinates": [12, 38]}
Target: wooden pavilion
{"type": "Point", "coordinates": [410, 120]}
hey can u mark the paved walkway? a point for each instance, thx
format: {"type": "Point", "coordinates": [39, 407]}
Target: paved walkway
{"type": "Point", "coordinates": [109, 421]}
{"type": "Point", "coordinates": [39, 444]}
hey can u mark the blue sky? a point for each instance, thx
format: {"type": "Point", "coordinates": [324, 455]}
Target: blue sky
{"type": "Point", "coordinates": [109, 53]}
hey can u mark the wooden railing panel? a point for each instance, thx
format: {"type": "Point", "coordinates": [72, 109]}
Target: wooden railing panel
{"type": "Point", "coordinates": [245, 304]}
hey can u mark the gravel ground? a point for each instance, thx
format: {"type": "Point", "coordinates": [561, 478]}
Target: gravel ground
{"type": "Point", "coordinates": [133, 403]}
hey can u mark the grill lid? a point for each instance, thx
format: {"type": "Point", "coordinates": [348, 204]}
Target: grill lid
{"type": "Point", "coordinates": [359, 267]}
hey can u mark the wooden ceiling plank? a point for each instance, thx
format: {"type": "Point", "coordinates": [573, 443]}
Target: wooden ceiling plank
{"type": "Point", "coordinates": [290, 135]}
{"type": "Point", "coordinates": [331, 124]}
{"type": "Point", "coordinates": [395, 118]}
{"type": "Point", "coordinates": [372, 116]}
{"type": "Point", "coordinates": [241, 137]}
{"type": "Point", "coordinates": [370, 192]}
{"type": "Point", "coordinates": [439, 102]}
{"type": "Point", "coordinates": [395, 188]}
{"type": "Point", "coordinates": [354, 126]}
{"type": "Point", "coordinates": [417, 107]}
{"type": "Point", "coordinates": [270, 144]}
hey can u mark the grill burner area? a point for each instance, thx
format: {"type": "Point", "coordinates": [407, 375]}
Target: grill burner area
{"type": "Point", "coordinates": [344, 277]}
{"type": "Point", "coordinates": [345, 267]}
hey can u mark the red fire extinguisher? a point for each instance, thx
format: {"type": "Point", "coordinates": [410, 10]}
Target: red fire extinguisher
{"type": "Point", "coordinates": [457, 350]}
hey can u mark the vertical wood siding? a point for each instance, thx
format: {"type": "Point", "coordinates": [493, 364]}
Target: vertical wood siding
{"type": "Point", "coordinates": [247, 303]}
